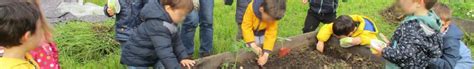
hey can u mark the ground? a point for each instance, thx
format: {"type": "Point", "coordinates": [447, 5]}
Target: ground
{"type": "Point", "coordinates": [91, 45]}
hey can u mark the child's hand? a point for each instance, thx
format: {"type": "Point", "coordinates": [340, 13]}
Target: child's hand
{"type": "Point", "coordinates": [263, 59]}
{"type": "Point", "coordinates": [305, 1]}
{"type": "Point", "coordinates": [320, 46]}
{"type": "Point", "coordinates": [110, 12]}
{"type": "Point", "coordinates": [356, 41]}
{"type": "Point", "coordinates": [187, 63]}
{"type": "Point", "coordinates": [257, 50]}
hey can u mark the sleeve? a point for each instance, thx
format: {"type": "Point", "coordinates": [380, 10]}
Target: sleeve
{"type": "Point", "coordinates": [247, 25]}
{"type": "Point", "coordinates": [270, 36]}
{"type": "Point", "coordinates": [450, 55]}
{"type": "Point", "coordinates": [324, 32]}
{"type": "Point", "coordinates": [366, 37]}
{"type": "Point", "coordinates": [179, 48]}
{"type": "Point", "coordinates": [162, 43]}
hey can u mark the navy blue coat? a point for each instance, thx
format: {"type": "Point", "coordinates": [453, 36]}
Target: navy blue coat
{"type": "Point", "coordinates": [128, 18]}
{"type": "Point", "coordinates": [156, 39]}
{"type": "Point", "coordinates": [323, 6]}
{"type": "Point", "coordinates": [450, 49]}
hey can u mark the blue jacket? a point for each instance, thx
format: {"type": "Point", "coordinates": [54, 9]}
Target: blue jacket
{"type": "Point", "coordinates": [450, 49]}
{"type": "Point", "coordinates": [127, 18]}
{"type": "Point", "coordinates": [466, 61]}
{"type": "Point", "coordinates": [156, 39]}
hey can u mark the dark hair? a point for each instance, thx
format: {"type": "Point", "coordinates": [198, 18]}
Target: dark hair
{"type": "Point", "coordinates": [17, 18]}
{"type": "Point", "coordinates": [343, 25]}
{"type": "Point", "coordinates": [179, 4]}
{"type": "Point", "coordinates": [442, 10]}
{"type": "Point", "coordinates": [275, 8]}
{"type": "Point", "coordinates": [430, 3]}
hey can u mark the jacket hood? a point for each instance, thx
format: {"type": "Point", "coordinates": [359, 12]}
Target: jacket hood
{"type": "Point", "coordinates": [432, 20]}
{"type": "Point", "coordinates": [154, 10]}
{"type": "Point", "coordinates": [256, 8]}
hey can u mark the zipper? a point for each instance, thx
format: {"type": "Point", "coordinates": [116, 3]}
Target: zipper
{"type": "Point", "coordinates": [320, 6]}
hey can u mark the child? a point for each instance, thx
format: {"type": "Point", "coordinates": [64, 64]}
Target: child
{"type": "Point", "coordinates": [360, 30]}
{"type": "Point", "coordinates": [259, 26]}
{"type": "Point", "coordinates": [320, 11]}
{"type": "Point", "coordinates": [417, 40]}
{"type": "Point", "coordinates": [156, 39]}
{"type": "Point", "coordinates": [455, 53]}
{"type": "Point", "coordinates": [20, 32]}
{"type": "Point", "coordinates": [127, 12]}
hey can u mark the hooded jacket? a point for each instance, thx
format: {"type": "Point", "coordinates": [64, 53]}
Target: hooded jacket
{"type": "Point", "coordinates": [415, 42]}
{"type": "Point", "coordinates": [156, 39]}
{"type": "Point", "coordinates": [366, 35]}
{"type": "Point", "coordinates": [128, 18]}
{"type": "Point", "coordinates": [450, 49]}
{"type": "Point", "coordinates": [252, 25]}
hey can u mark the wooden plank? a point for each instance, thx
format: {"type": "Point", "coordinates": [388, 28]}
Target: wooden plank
{"type": "Point", "coordinates": [466, 25]}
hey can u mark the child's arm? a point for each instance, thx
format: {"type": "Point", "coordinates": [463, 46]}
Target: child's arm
{"type": "Point", "coordinates": [162, 43]}
{"type": "Point", "coordinates": [247, 29]}
{"type": "Point", "coordinates": [270, 36]}
{"type": "Point", "coordinates": [323, 35]}
{"type": "Point", "coordinates": [450, 54]}
{"type": "Point", "coordinates": [247, 26]}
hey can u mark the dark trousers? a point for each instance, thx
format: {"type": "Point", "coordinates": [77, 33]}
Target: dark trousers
{"type": "Point", "coordinates": [313, 19]}
{"type": "Point", "coordinates": [239, 14]}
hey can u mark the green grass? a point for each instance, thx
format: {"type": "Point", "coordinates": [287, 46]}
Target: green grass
{"type": "Point", "coordinates": [92, 46]}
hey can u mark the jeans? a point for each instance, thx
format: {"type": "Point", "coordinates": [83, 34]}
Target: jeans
{"type": "Point", "coordinates": [204, 19]}
{"type": "Point", "coordinates": [158, 65]}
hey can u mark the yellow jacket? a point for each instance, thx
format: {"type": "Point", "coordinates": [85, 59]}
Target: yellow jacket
{"type": "Point", "coordinates": [13, 63]}
{"type": "Point", "coordinates": [325, 31]}
{"type": "Point", "coordinates": [249, 24]}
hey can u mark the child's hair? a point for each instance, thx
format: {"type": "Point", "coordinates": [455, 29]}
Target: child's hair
{"type": "Point", "coordinates": [17, 18]}
{"type": "Point", "coordinates": [343, 25]}
{"type": "Point", "coordinates": [443, 11]}
{"type": "Point", "coordinates": [179, 4]}
{"type": "Point", "coordinates": [275, 8]}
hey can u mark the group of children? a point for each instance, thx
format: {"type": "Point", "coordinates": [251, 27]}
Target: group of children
{"type": "Point", "coordinates": [426, 38]}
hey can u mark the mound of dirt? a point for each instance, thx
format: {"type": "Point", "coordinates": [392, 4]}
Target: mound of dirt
{"type": "Point", "coordinates": [307, 58]}
{"type": "Point", "coordinates": [392, 14]}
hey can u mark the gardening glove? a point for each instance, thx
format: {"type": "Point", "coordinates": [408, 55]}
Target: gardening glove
{"type": "Point", "coordinates": [377, 45]}
{"type": "Point", "coordinates": [346, 42]}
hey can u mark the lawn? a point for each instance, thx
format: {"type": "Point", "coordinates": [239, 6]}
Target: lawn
{"type": "Point", "coordinates": [91, 45]}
